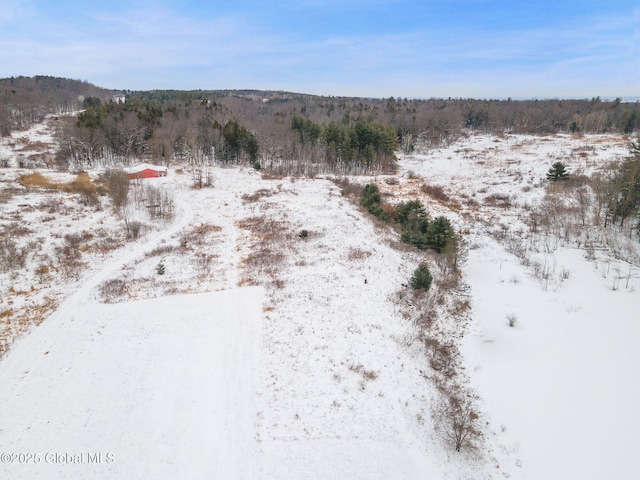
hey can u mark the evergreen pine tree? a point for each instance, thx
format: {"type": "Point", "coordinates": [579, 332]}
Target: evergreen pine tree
{"type": "Point", "coordinates": [439, 233]}
{"type": "Point", "coordinates": [160, 268]}
{"type": "Point", "coordinates": [372, 202]}
{"type": "Point", "coordinates": [558, 171]}
{"type": "Point", "coordinates": [421, 279]}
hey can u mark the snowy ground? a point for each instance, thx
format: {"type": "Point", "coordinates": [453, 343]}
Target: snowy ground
{"type": "Point", "coordinates": [157, 388]}
{"type": "Point", "coordinates": [265, 353]}
{"type": "Point", "coordinates": [558, 387]}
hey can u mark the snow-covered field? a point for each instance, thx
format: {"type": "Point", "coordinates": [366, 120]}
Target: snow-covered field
{"type": "Point", "coordinates": [158, 388]}
{"type": "Point", "coordinates": [558, 387]}
{"type": "Point", "coordinates": [262, 352]}
{"type": "Point", "coordinates": [561, 384]}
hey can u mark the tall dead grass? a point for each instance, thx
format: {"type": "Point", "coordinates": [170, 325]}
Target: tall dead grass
{"type": "Point", "coordinates": [266, 256]}
{"type": "Point", "coordinates": [15, 323]}
{"type": "Point", "coordinates": [81, 185]}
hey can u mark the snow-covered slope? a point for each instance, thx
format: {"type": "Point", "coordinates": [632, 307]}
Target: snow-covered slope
{"type": "Point", "coordinates": [559, 387]}
{"type": "Point", "coordinates": [274, 344]}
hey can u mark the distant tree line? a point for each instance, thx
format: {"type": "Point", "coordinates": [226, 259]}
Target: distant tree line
{"type": "Point", "coordinates": [286, 132]}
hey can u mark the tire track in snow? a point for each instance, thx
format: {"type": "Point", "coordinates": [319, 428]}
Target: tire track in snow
{"type": "Point", "coordinates": [238, 400]}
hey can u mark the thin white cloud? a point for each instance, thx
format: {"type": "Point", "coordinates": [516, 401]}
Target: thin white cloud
{"type": "Point", "coordinates": [119, 45]}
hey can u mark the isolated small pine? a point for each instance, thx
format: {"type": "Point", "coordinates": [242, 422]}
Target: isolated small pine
{"type": "Point", "coordinates": [558, 171]}
{"type": "Point", "coordinates": [421, 279]}
{"type": "Point", "coordinates": [160, 268]}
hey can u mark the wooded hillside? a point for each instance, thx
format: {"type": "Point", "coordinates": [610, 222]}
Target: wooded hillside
{"type": "Point", "coordinates": [26, 100]}
{"type": "Point", "coordinates": [281, 131]}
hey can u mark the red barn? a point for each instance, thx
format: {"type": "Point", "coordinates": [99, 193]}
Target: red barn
{"type": "Point", "coordinates": [146, 170]}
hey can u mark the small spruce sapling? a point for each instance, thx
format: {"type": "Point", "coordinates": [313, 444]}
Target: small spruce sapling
{"type": "Point", "coordinates": [422, 278]}
{"type": "Point", "coordinates": [558, 171]}
{"type": "Point", "coordinates": [160, 268]}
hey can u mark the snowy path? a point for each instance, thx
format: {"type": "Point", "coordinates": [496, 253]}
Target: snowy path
{"type": "Point", "coordinates": [159, 388]}
{"type": "Point", "coordinates": [27, 346]}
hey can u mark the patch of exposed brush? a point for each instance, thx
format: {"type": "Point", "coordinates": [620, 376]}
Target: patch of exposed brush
{"type": "Point", "coordinates": [266, 256]}
{"type": "Point", "coordinates": [199, 235]}
{"type": "Point", "coordinates": [16, 322]}
{"type": "Point", "coordinates": [81, 185]}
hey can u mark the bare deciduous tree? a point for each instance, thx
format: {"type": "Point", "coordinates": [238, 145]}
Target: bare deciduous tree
{"type": "Point", "coordinates": [457, 419]}
{"type": "Point", "coordinates": [117, 183]}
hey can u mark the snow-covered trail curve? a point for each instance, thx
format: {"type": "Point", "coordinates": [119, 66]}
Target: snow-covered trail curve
{"type": "Point", "coordinates": [163, 386]}
{"type": "Point", "coordinates": [28, 345]}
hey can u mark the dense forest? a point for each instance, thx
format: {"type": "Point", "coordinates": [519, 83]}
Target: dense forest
{"type": "Point", "coordinates": [279, 131]}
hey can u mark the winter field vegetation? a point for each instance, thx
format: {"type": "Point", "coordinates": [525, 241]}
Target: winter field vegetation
{"type": "Point", "coordinates": [355, 288]}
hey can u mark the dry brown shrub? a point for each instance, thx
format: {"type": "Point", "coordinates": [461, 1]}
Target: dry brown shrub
{"type": "Point", "coordinates": [42, 271]}
{"type": "Point", "coordinates": [117, 185]}
{"type": "Point", "coordinates": [37, 180]}
{"type": "Point", "coordinates": [392, 181]}
{"type": "Point", "coordinates": [257, 195]}
{"type": "Point", "coordinates": [349, 189]}
{"type": "Point", "coordinates": [390, 210]}
{"type": "Point", "coordinates": [449, 280]}
{"type": "Point", "coordinates": [457, 419]}
{"type": "Point", "coordinates": [571, 183]}
{"type": "Point", "coordinates": [271, 175]}
{"type": "Point", "coordinates": [15, 323]}
{"type": "Point", "coordinates": [113, 290]}
{"type": "Point", "coordinates": [266, 229]}
{"type": "Point", "coordinates": [12, 257]}
{"type": "Point", "coordinates": [460, 307]}
{"type": "Point", "coordinates": [159, 251]}
{"type": "Point", "coordinates": [198, 235]}
{"type": "Point", "coordinates": [442, 355]}
{"type": "Point", "coordinates": [358, 254]}
{"type": "Point", "coordinates": [435, 191]}
{"type": "Point", "coordinates": [33, 145]}
{"type": "Point", "coordinates": [499, 200]}
{"type": "Point", "coordinates": [366, 374]}
{"type": "Point", "coordinates": [426, 320]}
{"type": "Point", "coordinates": [69, 254]}
{"type": "Point", "coordinates": [17, 230]}
{"type": "Point", "coordinates": [401, 246]}
{"type": "Point", "coordinates": [266, 255]}
{"type": "Point", "coordinates": [247, 282]}
{"type": "Point", "coordinates": [203, 262]}
{"type": "Point", "coordinates": [107, 244]}
{"type": "Point", "coordinates": [264, 259]}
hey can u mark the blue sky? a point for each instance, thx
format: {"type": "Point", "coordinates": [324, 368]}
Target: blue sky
{"type": "Point", "coordinates": [374, 48]}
